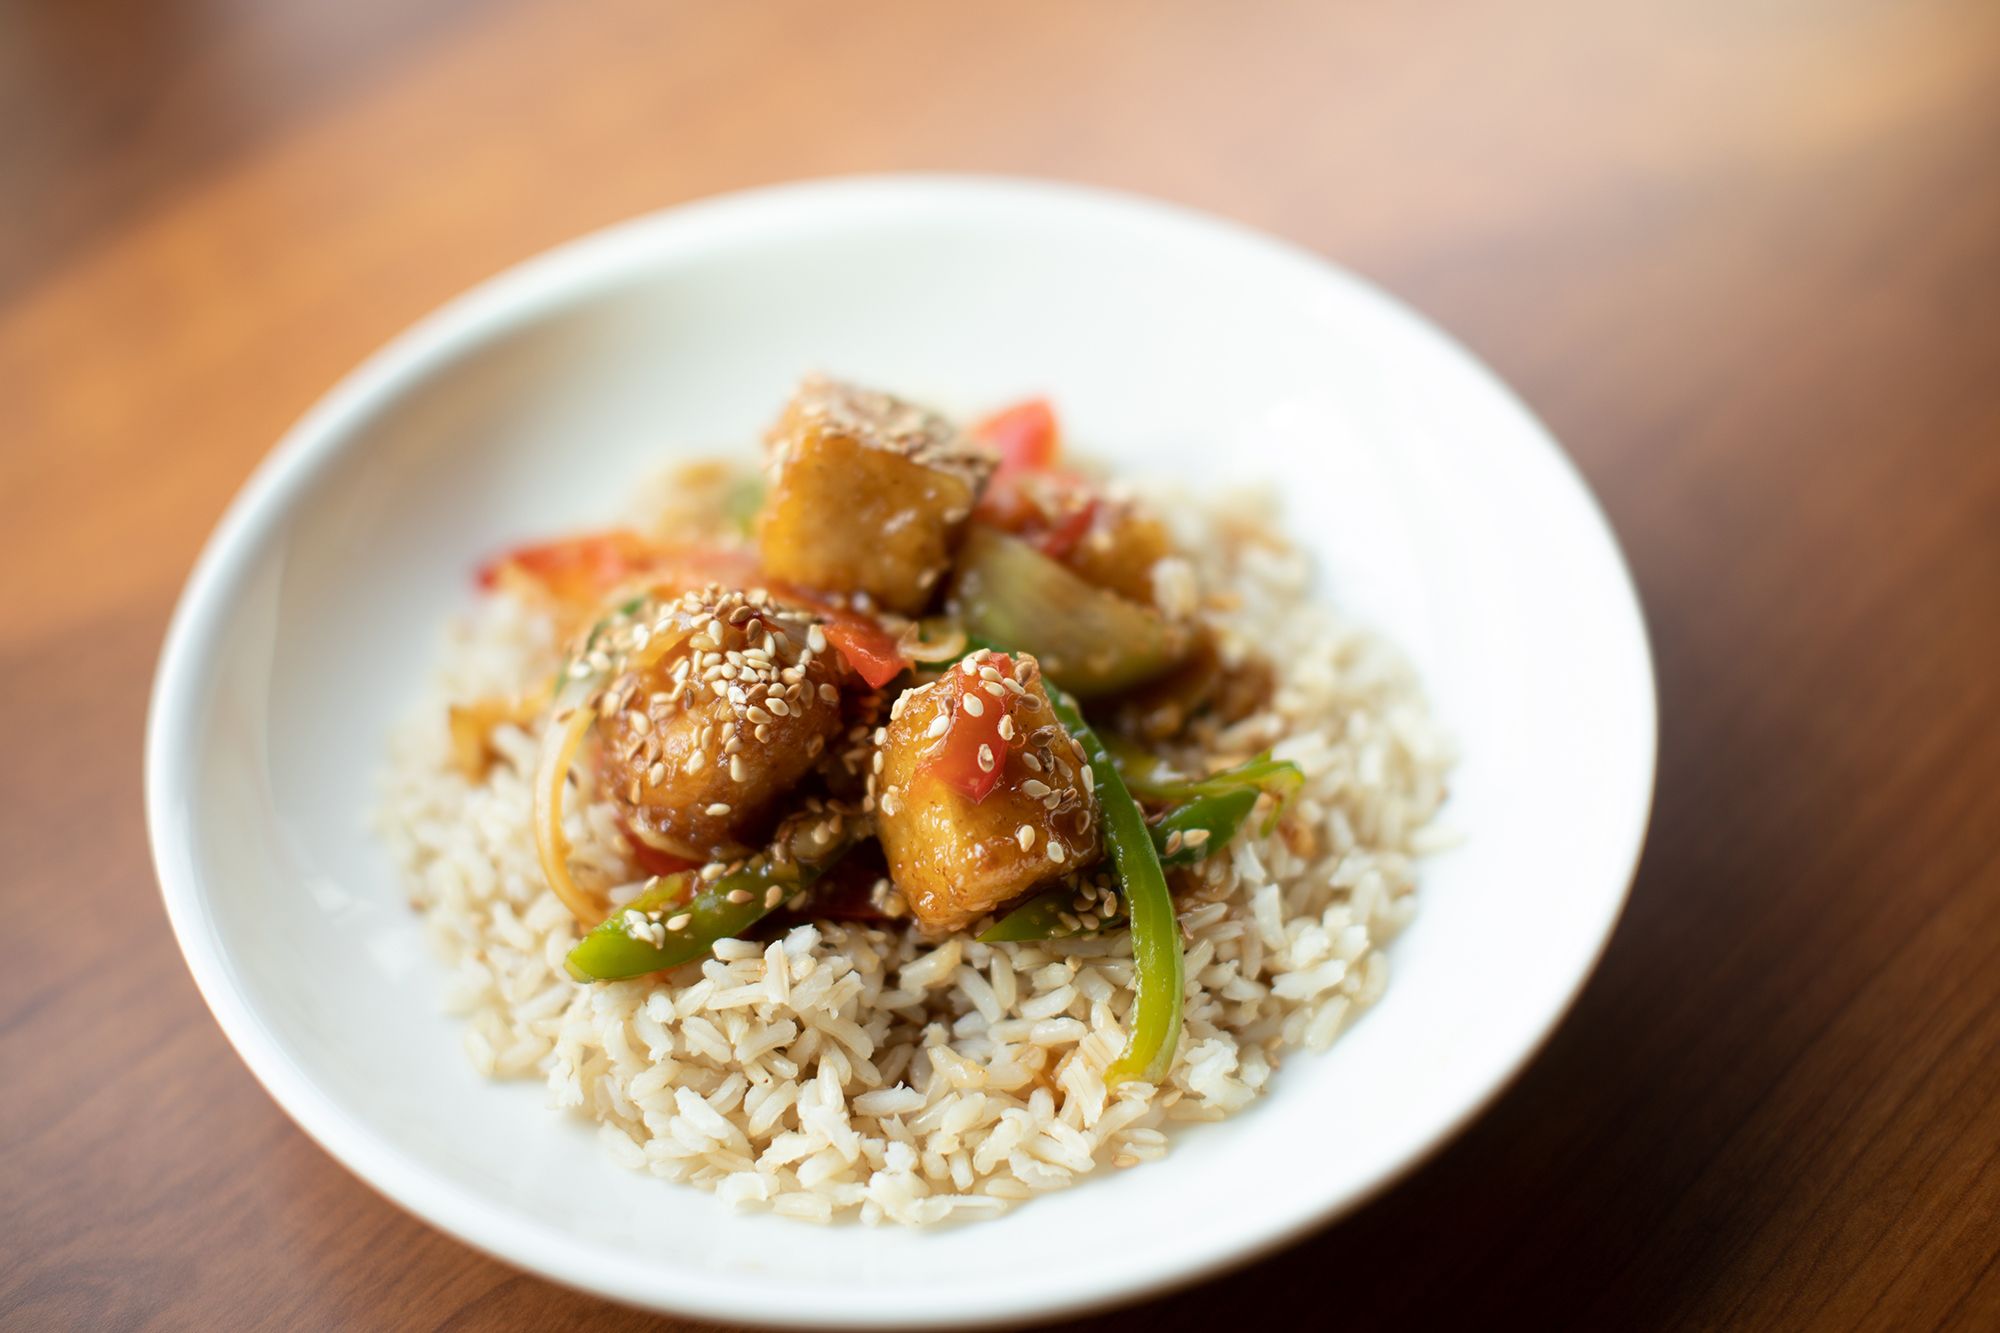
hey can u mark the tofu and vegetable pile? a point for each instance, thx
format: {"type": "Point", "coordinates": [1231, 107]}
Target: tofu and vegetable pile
{"type": "Point", "coordinates": [915, 823]}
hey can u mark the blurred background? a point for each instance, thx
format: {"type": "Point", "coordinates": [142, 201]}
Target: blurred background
{"type": "Point", "coordinates": [1744, 258]}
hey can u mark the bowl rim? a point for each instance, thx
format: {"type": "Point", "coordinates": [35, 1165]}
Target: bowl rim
{"type": "Point", "coordinates": [523, 292]}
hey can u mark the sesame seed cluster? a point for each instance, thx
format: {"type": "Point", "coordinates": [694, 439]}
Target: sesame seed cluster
{"type": "Point", "coordinates": [1058, 776]}
{"type": "Point", "coordinates": [721, 693]}
{"type": "Point", "coordinates": [879, 420]}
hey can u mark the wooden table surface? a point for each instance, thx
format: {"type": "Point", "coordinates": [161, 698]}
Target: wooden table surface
{"type": "Point", "coordinates": [1743, 258]}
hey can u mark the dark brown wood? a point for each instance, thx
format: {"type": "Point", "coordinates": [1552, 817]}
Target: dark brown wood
{"type": "Point", "coordinates": [1745, 259]}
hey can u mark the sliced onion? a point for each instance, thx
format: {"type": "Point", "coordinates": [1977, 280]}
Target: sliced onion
{"type": "Point", "coordinates": [569, 723]}
{"type": "Point", "coordinates": [933, 639]}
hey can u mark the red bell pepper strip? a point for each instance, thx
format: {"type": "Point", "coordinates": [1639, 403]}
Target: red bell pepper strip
{"type": "Point", "coordinates": [972, 752]}
{"type": "Point", "coordinates": [864, 645]}
{"type": "Point", "coordinates": [583, 570]}
{"type": "Point", "coordinates": [575, 569]}
{"type": "Point", "coordinates": [1025, 435]}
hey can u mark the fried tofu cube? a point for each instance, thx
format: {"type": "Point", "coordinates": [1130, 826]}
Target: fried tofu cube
{"type": "Point", "coordinates": [867, 494]}
{"type": "Point", "coordinates": [703, 742]}
{"type": "Point", "coordinates": [986, 723]}
{"type": "Point", "coordinates": [1120, 550]}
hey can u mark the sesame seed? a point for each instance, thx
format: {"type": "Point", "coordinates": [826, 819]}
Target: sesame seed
{"type": "Point", "coordinates": [1006, 728]}
{"type": "Point", "coordinates": [816, 639]}
{"type": "Point", "coordinates": [986, 760]}
{"type": "Point", "coordinates": [772, 896]}
{"type": "Point", "coordinates": [1057, 852]}
{"type": "Point", "coordinates": [656, 775]}
{"type": "Point", "coordinates": [1025, 836]}
{"type": "Point", "coordinates": [778, 707]}
{"type": "Point", "coordinates": [830, 694]}
{"type": "Point", "coordinates": [1033, 762]}
{"type": "Point", "coordinates": [679, 921]}
{"type": "Point", "coordinates": [974, 707]}
{"type": "Point", "coordinates": [995, 689]}
{"type": "Point", "coordinates": [740, 895]}
{"type": "Point", "coordinates": [696, 760]}
{"type": "Point", "coordinates": [938, 725]}
{"type": "Point", "coordinates": [1035, 787]}
{"type": "Point", "coordinates": [1196, 837]}
{"type": "Point", "coordinates": [891, 803]}
{"type": "Point", "coordinates": [1089, 778]}
{"type": "Point", "coordinates": [711, 872]}
{"type": "Point", "coordinates": [717, 810]}
{"type": "Point", "coordinates": [1174, 841]}
{"type": "Point", "coordinates": [737, 771]}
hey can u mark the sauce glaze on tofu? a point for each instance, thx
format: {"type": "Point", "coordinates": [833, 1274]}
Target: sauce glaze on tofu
{"type": "Point", "coordinates": [956, 858]}
{"type": "Point", "coordinates": [867, 494]}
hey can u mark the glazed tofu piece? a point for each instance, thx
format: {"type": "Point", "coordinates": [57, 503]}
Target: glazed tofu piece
{"type": "Point", "coordinates": [702, 741]}
{"type": "Point", "coordinates": [868, 494]}
{"type": "Point", "coordinates": [1119, 551]}
{"type": "Point", "coordinates": [981, 794]}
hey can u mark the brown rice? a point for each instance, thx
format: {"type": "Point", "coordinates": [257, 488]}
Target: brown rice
{"type": "Point", "coordinates": [848, 1070]}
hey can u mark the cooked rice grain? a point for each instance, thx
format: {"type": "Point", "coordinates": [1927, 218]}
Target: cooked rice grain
{"type": "Point", "coordinates": [846, 1070]}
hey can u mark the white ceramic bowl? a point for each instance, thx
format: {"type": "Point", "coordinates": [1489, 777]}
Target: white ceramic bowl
{"type": "Point", "coordinates": [1174, 344]}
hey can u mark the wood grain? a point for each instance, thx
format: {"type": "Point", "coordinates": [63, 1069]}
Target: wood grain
{"type": "Point", "coordinates": [1745, 259]}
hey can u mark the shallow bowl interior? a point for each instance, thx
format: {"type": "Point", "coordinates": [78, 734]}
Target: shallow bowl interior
{"type": "Point", "coordinates": [1176, 347]}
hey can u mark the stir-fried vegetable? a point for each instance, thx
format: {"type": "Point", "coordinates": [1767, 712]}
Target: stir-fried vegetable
{"type": "Point", "coordinates": [571, 717]}
{"type": "Point", "coordinates": [1147, 775]}
{"type": "Point", "coordinates": [1025, 435]}
{"type": "Point", "coordinates": [573, 569]}
{"type": "Point", "coordinates": [1156, 935]}
{"type": "Point", "coordinates": [1089, 641]}
{"type": "Point", "coordinates": [1188, 834]}
{"type": "Point", "coordinates": [664, 927]}
{"type": "Point", "coordinates": [933, 639]}
{"type": "Point", "coordinates": [1048, 915]}
{"type": "Point", "coordinates": [871, 650]}
{"type": "Point", "coordinates": [1206, 816]}
{"type": "Point", "coordinates": [1201, 827]}
{"type": "Point", "coordinates": [969, 757]}
{"type": "Point", "coordinates": [569, 723]}
{"type": "Point", "coordinates": [678, 918]}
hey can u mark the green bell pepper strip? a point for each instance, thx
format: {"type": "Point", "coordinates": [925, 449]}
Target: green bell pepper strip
{"type": "Point", "coordinates": [1280, 777]}
{"type": "Point", "coordinates": [1156, 931]}
{"type": "Point", "coordinates": [1211, 820]}
{"type": "Point", "coordinates": [1041, 917]}
{"type": "Point", "coordinates": [610, 952]}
